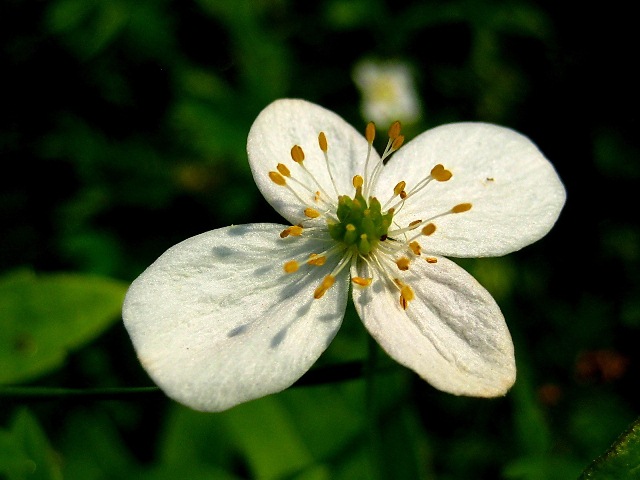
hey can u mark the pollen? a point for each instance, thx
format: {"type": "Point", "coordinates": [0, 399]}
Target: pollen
{"type": "Point", "coordinates": [461, 207]}
{"type": "Point", "coordinates": [363, 282]}
{"type": "Point", "coordinates": [399, 188]}
{"type": "Point", "coordinates": [322, 141]}
{"type": "Point", "coordinates": [415, 248]}
{"type": "Point", "coordinates": [440, 173]}
{"type": "Point", "coordinates": [277, 178]}
{"type": "Point", "coordinates": [326, 284]}
{"type": "Point", "coordinates": [317, 260]}
{"type": "Point", "coordinates": [291, 266]}
{"type": "Point", "coordinates": [370, 132]}
{"type": "Point", "coordinates": [403, 263]}
{"type": "Point", "coordinates": [428, 229]}
{"type": "Point", "coordinates": [311, 212]}
{"type": "Point", "coordinates": [297, 154]}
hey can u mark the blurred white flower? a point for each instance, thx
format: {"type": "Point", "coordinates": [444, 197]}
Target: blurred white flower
{"type": "Point", "coordinates": [388, 92]}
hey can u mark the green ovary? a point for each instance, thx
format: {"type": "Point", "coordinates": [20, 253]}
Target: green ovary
{"type": "Point", "coordinates": [360, 225]}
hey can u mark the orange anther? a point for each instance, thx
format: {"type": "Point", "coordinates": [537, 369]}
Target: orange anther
{"type": "Point", "coordinates": [403, 263]}
{"type": "Point", "coordinates": [461, 207]}
{"type": "Point", "coordinates": [414, 224]}
{"type": "Point", "coordinates": [326, 284]}
{"type": "Point", "coordinates": [277, 178]}
{"type": "Point", "coordinates": [370, 132]}
{"type": "Point", "coordinates": [283, 170]}
{"type": "Point", "coordinates": [363, 282]}
{"type": "Point", "coordinates": [415, 248]}
{"type": "Point", "coordinates": [291, 266]}
{"type": "Point", "coordinates": [322, 141]}
{"type": "Point", "coordinates": [428, 229]}
{"type": "Point", "coordinates": [431, 260]}
{"type": "Point", "coordinates": [297, 154]}
{"type": "Point", "coordinates": [311, 212]}
{"type": "Point", "coordinates": [317, 260]}
{"type": "Point", "coordinates": [399, 188]}
{"type": "Point", "coordinates": [358, 181]}
{"type": "Point", "coordinates": [394, 130]}
{"type": "Point", "coordinates": [440, 173]}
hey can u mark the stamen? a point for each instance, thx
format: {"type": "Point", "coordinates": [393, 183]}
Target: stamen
{"type": "Point", "coordinates": [316, 260]}
{"type": "Point", "coordinates": [311, 212]}
{"type": "Point", "coordinates": [399, 188]}
{"type": "Point", "coordinates": [294, 230]}
{"type": "Point", "coordinates": [297, 154]}
{"type": "Point", "coordinates": [394, 130]}
{"type": "Point", "coordinates": [461, 207]}
{"type": "Point", "coordinates": [406, 295]}
{"type": "Point", "coordinates": [363, 282]}
{"type": "Point", "coordinates": [282, 168]}
{"type": "Point", "coordinates": [415, 248]}
{"type": "Point", "coordinates": [291, 266]}
{"type": "Point", "coordinates": [440, 173]}
{"type": "Point", "coordinates": [326, 284]}
{"type": "Point", "coordinates": [397, 143]}
{"type": "Point", "coordinates": [431, 260]}
{"type": "Point", "coordinates": [358, 181]}
{"type": "Point", "coordinates": [370, 132]}
{"type": "Point", "coordinates": [428, 229]}
{"type": "Point", "coordinates": [415, 224]}
{"type": "Point", "coordinates": [277, 179]}
{"type": "Point", "coordinates": [322, 141]}
{"type": "Point", "coordinates": [403, 263]}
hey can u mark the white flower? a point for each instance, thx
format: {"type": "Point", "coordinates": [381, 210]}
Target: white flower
{"type": "Point", "coordinates": [241, 312]}
{"type": "Point", "coordinates": [388, 91]}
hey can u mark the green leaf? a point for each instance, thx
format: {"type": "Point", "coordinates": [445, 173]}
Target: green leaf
{"type": "Point", "coordinates": [43, 317]}
{"type": "Point", "coordinates": [621, 461]}
{"type": "Point", "coordinates": [25, 451]}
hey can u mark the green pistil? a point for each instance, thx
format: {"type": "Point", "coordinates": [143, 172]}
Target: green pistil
{"type": "Point", "coordinates": [360, 225]}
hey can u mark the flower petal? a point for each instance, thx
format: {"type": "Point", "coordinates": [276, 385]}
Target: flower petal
{"type": "Point", "coordinates": [515, 193]}
{"type": "Point", "coordinates": [288, 122]}
{"type": "Point", "coordinates": [216, 322]}
{"type": "Point", "coordinates": [452, 333]}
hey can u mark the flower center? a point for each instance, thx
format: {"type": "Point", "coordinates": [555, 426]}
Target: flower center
{"type": "Point", "coordinates": [361, 224]}
{"type": "Point", "coordinates": [360, 228]}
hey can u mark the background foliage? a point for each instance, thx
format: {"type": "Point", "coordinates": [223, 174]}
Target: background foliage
{"type": "Point", "coordinates": [123, 131]}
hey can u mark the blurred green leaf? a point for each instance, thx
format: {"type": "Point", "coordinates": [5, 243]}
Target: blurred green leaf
{"type": "Point", "coordinates": [46, 315]}
{"type": "Point", "coordinates": [621, 461]}
{"type": "Point", "coordinates": [25, 452]}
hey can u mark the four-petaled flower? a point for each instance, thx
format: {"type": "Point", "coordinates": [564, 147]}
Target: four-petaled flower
{"type": "Point", "coordinates": [243, 311]}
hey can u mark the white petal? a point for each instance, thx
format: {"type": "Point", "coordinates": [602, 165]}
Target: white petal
{"type": "Point", "coordinates": [289, 122]}
{"type": "Point", "coordinates": [215, 320]}
{"type": "Point", "coordinates": [515, 192]}
{"type": "Point", "coordinates": [452, 334]}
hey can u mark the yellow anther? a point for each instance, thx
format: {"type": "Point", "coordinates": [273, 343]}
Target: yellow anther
{"type": "Point", "coordinates": [406, 295]}
{"type": "Point", "coordinates": [431, 260]}
{"type": "Point", "coordinates": [399, 188]}
{"type": "Point", "coordinates": [397, 143]}
{"type": "Point", "coordinates": [403, 263]}
{"type": "Point", "coordinates": [440, 173]}
{"type": "Point", "coordinates": [394, 130]}
{"type": "Point", "coordinates": [358, 181]}
{"type": "Point", "coordinates": [363, 282]}
{"type": "Point", "coordinates": [415, 248]}
{"type": "Point", "coordinates": [311, 212]}
{"type": "Point", "coordinates": [316, 197]}
{"type": "Point", "coordinates": [322, 141]}
{"type": "Point", "coordinates": [326, 284]}
{"type": "Point", "coordinates": [370, 132]}
{"type": "Point", "coordinates": [414, 224]}
{"type": "Point", "coordinates": [297, 154]}
{"type": "Point", "coordinates": [277, 178]}
{"type": "Point", "coordinates": [291, 266]}
{"type": "Point", "coordinates": [461, 207]}
{"type": "Point", "coordinates": [428, 229]}
{"type": "Point", "coordinates": [282, 168]}
{"type": "Point", "coordinates": [295, 230]}
{"type": "Point", "coordinates": [317, 260]}
{"type": "Point", "coordinates": [403, 195]}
